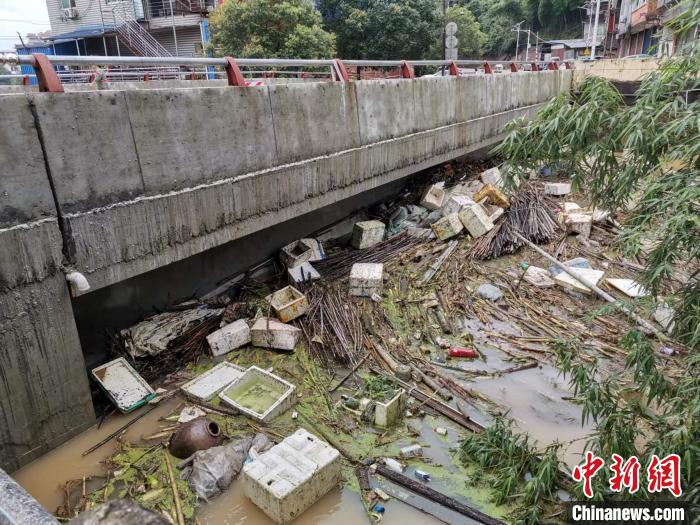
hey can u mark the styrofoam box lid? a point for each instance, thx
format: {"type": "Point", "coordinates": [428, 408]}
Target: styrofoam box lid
{"type": "Point", "coordinates": [213, 381]}
{"type": "Point", "coordinates": [291, 463]}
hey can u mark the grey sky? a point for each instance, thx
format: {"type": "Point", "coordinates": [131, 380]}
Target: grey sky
{"type": "Point", "coordinates": [25, 16]}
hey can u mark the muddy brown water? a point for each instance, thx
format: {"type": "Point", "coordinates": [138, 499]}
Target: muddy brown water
{"type": "Point", "coordinates": [44, 478]}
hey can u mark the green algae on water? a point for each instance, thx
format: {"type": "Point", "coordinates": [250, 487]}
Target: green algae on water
{"type": "Point", "coordinates": [256, 395]}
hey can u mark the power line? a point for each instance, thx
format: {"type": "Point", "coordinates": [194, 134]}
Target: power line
{"type": "Point", "coordinates": [25, 21]}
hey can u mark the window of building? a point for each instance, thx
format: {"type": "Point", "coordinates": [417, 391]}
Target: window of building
{"type": "Point", "coordinates": [67, 4]}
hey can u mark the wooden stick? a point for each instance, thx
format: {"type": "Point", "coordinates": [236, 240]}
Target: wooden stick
{"type": "Point", "coordinates": [176, 494]}
{"type": "Point", "coordinates": [436, 496]}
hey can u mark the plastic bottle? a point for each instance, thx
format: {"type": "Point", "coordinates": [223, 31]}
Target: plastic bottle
{"type": "Point", "coordinates": [457, 351]}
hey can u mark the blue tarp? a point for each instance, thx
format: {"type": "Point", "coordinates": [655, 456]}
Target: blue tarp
{"type": "Point", "coordinates": [84, 32]}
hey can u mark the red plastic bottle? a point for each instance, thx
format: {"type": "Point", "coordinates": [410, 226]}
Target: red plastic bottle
{"type": "Point", "coordinates": [457, 351]}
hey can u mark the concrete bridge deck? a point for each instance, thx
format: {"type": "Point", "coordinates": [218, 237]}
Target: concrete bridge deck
{"type": "Point", "coordinates": [116, 184]}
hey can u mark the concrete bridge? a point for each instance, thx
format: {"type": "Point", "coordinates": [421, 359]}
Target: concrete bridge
{"type": "Point", "coordinates": [168, 188]}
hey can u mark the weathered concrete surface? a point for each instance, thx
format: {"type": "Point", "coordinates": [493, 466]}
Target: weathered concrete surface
{"type": "Point", "coordinates": [24, 190]}
{"type": "Point", "coordinates": [622, 70]}
{"type": "Point", "coordinates": [44, 393]}
{"type": "Point", "coordinates": [90, 147]}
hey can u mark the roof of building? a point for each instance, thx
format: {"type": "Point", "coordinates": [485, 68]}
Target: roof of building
{"type": "Point", "coordinates": [576, 43]}
{"type": "Point", "coordinates": [91, 31]}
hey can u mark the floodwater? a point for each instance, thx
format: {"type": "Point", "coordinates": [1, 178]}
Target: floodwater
{"type": "Point", "coordinates": [44, 478]}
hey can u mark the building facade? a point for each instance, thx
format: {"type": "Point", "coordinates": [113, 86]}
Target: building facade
{"type": "Point", "coordinates": [643, 27]}
{"type": "Point", "coordinates": [130, 27]}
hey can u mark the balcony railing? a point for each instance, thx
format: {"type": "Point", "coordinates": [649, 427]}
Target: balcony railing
{"type": "Point", "coordinates": [163, 8]}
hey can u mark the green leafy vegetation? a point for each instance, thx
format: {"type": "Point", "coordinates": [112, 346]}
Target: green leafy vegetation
{"type": "Point", "coordinates": [270, 29]}
{"type": "Point", "coordinates": [643, 160]}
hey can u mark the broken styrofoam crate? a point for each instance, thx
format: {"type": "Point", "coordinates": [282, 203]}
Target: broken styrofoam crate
{"type": "Point", "coordinates": [664, 316]}
{"type": "Point", "coordinates": [390, 412]}
{"type": "Point", "coordinates": [447, 227]}
{"type": "Point", "coordinates": [468, 189]}
{"type": "Point", "coordinates": [228, 338]}
{"type": "Point", "coordinates": [538, 277]}
{"type": "Point", "coordinates": [569, 207]}
{"type": "Point", "coordinates": [123, 385]}
{"type": "Point", "coordinates": [297, 252]}
{"type": "Point", "coordinates": [494, 212]}
{"type": "Point", "coordinates": [259, 394]}
{"type": "Point", "coordinates": [366, 234]}
{"type": "Point", "coordinates": [493, 194]}
{"type": "Point", "coordinates": [433, 198]}
{"type": "Point", "coordinates": [577, 262]}
{"type": "Point", "coordinates": [557, 188]}
{"type": "Point", "coordinates": [303, 273]}
{"type": "Point", "coordinates": [366, 279]}
{"type": "Point", "coordinates": [293, 475]}
{"type": "Point", "coordinates": [271, 333]}
{"type": "Point", "coordinates": [475, 220]}
{"type": "Point", "coordinates": [568, 282]}
{"type": "Point", "coordinates": [629, 287]}
{"type": "Point", "coordinates": [600, 215]}
{"type": "Point", "coordinates": [579, 223]}
{"type": "Point", "coordinates": [318, 253]}
{"type": "Point", "coordinates": [207, 385]}
{"type": "Point", "coordinates": [492, 176]}
{"type": "Point", "coordinates": [455, 203]}
{"type": "Point", "coordinates": [288, 303]}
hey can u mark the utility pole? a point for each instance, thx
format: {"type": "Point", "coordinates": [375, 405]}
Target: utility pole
{"type": "Point", "coordinates": [516, 28]}
{"type": "Point", "coordinates": [527, 49]}
{"type": "Point", "coordinates": [595, 29]}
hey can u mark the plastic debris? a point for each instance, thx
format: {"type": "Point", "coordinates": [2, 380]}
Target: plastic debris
{"type": "Point", "coordinates": [422, 475]}
{"type": "Point", "coordinates": [489, 292]}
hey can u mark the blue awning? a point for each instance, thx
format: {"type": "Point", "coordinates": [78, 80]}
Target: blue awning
{"type": "Point", "coordinates": [84, 32]}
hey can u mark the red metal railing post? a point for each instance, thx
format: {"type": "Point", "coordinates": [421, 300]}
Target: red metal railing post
{"type": "Point", "coordinates": [341, 72]}
{"type": "Point", "coordinates": [534, 67]}
{"type": "Point", "coordinates": [25, 80]}
{"type": "Point", "coordinates": [46, 74]}
{"type": "Point", "coordinates": [454, 70]}
{"type": "Point", "coordinates": [568, 65]}
{"type": "Point", "coordinates": [552, 66]}
{"type": "Point", "coordinates": [233, 73]}
{"type": "Point", "coordinates": [406, 70]}
{"type": "Point", "coordinates": [487, 68]}
{"type": "Point", "coordinates": [513, 67]}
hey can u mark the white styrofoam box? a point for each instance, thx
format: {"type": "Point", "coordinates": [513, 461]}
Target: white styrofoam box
{"type": "Point", "coordinates": [433, 198]}
{"type": "Point", "coordinates": [475, 220]}
{"type": "Point", "coordinates": [447, 227]}
{"type": "Point", "coordinates": [228, 338]}
{"type": "Point", "coordinates": [569, 207]}
{"type": "Point", "coordinates": [293, 475]}
{"type": "Point", "coordinates": [388, 413]}
{"type": "Point", "coordinates": [557, 188]}
{"type": "Point", "coordinates": [366, 234]}
{"type": "Point", "coordinates": [318, 253]}
{"type": "Point", "coordinates": [267, 332]}
{"type": "Point", "coordinates": [455, 204]}
{"type": "Point", "coordinates": [579, 223]}
{"type": "Point", "coordinates": [366, 279]}
{"type": "Point", "coordinates": [469, 189]}
{"type": "Point", "coordinates": [303, 273]}
{"type": "Point", "coordinates": [566, 281]}
{"type": "Point", "coordinates": [298, 252]}
{"type": "Point", "coordinates": [492, 176]}
{"type": "Point", "coordinates": [123, 385]}
{"type": "Point", "coordinates": [257, 386]}
{"type": "Point", "coordinates": [205, 386]}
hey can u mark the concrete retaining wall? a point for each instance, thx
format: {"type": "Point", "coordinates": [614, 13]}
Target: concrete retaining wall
{"type": "Point", "coordinates": [137, 180]}
{"type": "Point", "coordinates": [44, 393]}
{"type": "Point", "coordinates": [621, 70]}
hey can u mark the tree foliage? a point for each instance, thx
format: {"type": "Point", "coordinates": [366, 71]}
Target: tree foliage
{"type": "Point", "coordinates": [383, 29]}
{"type": "Point", "coordinates": [643, 159]}
{"type": "Point", "coordinates": [270, 29]}
{"type": "Point", "coordinates": [469, 35]}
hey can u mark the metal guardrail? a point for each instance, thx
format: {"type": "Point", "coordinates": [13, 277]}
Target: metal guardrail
{"type": "Point", "coordinates": [336, 69]}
